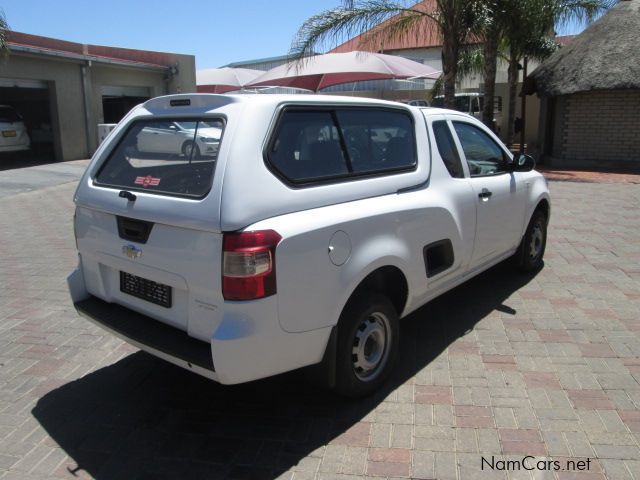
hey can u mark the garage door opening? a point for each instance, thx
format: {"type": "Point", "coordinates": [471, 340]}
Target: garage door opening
{"type": "Point", "coordinates": [117, 101]}
{"type": "Point", "coordinates": [31, 99]}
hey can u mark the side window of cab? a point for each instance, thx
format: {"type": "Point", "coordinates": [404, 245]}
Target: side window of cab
{"type": "Point", "coordinates": [335, 144]}
{"type": "Point", "coordinates": [482, 153]}
{"type": "Point", "coordinates": [447, 148]}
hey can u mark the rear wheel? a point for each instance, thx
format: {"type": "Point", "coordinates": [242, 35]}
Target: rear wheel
{"type": "Point", "coordinates": [533, 244]}
{"type": "Point", "coordinates": [368, 337]}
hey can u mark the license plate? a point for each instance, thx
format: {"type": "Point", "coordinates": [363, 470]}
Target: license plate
{"type": "Point", "coordinates": [8, 133]}
{"type": "Point", "coordinates": [148, 290]}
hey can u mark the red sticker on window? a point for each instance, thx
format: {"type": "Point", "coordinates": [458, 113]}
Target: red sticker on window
{"type": "Point", "coordinates": [147, 181]}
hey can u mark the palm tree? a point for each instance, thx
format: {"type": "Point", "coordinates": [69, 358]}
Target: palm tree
{"type": "Point", "coordinates": [489, 30]}
{"type": "Point", "coordinates": [385, 20]}
{"type": "Point", "coordinates": [513, 29]}
{"type": "Point", "coordinates": [526, 28]}
{"type": "Point", "coordinates": [483, 58]}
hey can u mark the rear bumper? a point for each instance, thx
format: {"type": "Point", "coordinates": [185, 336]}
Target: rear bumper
{"type": "Point", "coordinates": [246, 345]}
{"type": "Point", "coordinates": [15, 148]}
{"type": "Point", "coordinates": [152, 336]}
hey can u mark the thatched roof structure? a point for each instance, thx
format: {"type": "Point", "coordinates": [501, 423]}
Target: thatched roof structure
{"type": "Point", "coordinates": [606, 56]}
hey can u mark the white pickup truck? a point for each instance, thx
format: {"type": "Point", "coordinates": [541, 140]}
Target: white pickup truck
{"type": "Point", "coordinates": [299, 231]}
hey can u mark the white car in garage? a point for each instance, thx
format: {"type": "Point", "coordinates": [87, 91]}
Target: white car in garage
{"type": "Point", "coordinates": [317, 225]}
{"type": "Point", "coordinates": [13, 132]}
{"type": "Point", "coordinates": [186, 138]}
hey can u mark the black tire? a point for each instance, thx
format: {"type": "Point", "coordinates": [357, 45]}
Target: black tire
{"type": "Point", "coordinates": [186, 149]}
{"type": "Point", "coordinates": [529, 255]}
{"type": "Point", "coordinates": [367, 345]}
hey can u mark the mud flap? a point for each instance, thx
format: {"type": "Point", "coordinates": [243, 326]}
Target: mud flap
{"type": "Point", "coordinates": [323, 374]}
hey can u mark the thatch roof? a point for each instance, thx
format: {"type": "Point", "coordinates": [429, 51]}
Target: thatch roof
{"type": "Point", "coordinates": [606, 56]}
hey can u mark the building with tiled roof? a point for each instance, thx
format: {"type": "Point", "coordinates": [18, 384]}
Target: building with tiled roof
{"type": "Point", "coordinates": [63, 90]}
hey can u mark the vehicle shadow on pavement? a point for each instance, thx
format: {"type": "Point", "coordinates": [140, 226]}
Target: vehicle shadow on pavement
{"type": "Point", "coordinates": [142, 418]}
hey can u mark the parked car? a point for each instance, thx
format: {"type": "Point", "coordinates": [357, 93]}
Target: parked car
{"type": "Point", "coordinates": [317, 225]}
{"type": "Point", "coordinates": [178, 138]}
{"type": "Point", "coordinates": [14, 135]}
{"type": "Point", "coordinates": [416, 103]}
{"type": "Point", "coordinates": [473, 104]}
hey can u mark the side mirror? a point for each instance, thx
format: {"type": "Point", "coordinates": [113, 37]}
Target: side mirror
{"type": "Point", "coordinates": [522, 163]}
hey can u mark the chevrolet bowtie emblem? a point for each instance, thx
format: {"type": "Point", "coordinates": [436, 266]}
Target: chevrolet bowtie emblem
{"type": "Point", "coordinates": [132, 251]}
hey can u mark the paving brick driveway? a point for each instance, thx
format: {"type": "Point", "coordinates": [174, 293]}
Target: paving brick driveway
{"type": "Point", "coordinates": [503, 367]}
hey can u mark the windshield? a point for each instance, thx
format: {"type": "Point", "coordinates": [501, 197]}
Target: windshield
{"type": "Point", "coordinates": [165, 156]}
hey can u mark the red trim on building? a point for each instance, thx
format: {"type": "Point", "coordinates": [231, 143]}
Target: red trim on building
{"type": "Point", "coordinates": [37, 41]}
{"type": "Point", "coordinates": [112, 53]}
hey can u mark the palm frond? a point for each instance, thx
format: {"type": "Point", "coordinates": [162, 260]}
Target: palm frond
{"type": "Point", "coordinates": [436, 89]}
{"type": "Point", "coordinates": [540, 48]}
{"type": "Point", "coordinates": [333, 26]}
{"type": "Point", "coordinates": [582, 11]}
{"type": "Point", "coordinates": [402, 27]}
{"type": "Point", "coordinates": [464, 17]}
{"type": "Point", "coordinates": [471, 61]}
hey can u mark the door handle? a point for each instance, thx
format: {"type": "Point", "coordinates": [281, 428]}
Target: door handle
{"type": "Point", "coordinates": [485, 194]}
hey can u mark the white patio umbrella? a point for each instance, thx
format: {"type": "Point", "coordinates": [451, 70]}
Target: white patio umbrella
{"type": "Point", "coordinates": [226, 79]}
{"type": "Point", "coordinates": [321, 71]}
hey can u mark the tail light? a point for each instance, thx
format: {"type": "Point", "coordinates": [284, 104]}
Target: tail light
{"type": "Point", "coordinates": [248, 264]}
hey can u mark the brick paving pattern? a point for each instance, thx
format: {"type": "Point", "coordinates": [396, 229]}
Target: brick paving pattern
{"type": "Point", "coordinates": [502, 367]}
{"type": "Point", "coordinates": [590, 176]}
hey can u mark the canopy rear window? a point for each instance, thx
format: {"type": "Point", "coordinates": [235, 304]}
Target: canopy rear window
{"type": "Point", "coordinates": [170, 157]}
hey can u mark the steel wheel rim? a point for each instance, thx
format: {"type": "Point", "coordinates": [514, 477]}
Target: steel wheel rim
{"type": "Point", "coordinates": [371, 344]}
{"type": "Point", "coordinates": [537, 240]}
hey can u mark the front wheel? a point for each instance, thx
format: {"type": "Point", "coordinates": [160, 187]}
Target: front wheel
{"type": "Point", "coordinates": [531, 250]}
{"type": "Point", "coordinates": [190, 150]}
{"type": "Point", "coordinates": [368, 339]}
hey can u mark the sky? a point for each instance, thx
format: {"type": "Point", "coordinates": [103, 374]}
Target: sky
{"type": "Point", "coordinates": [216, 32]}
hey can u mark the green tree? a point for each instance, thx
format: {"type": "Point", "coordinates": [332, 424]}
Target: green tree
{"type": "Point", "coordinates": [383, 20]}
{"type": "Point", "coordinates": [527, 27]}
{"type": "Point", "coordinates": [4, 29]}
{"type": "Point", "coordinates": [488, 29]}
{"type": "Point", "coordinates": [513, 29]}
